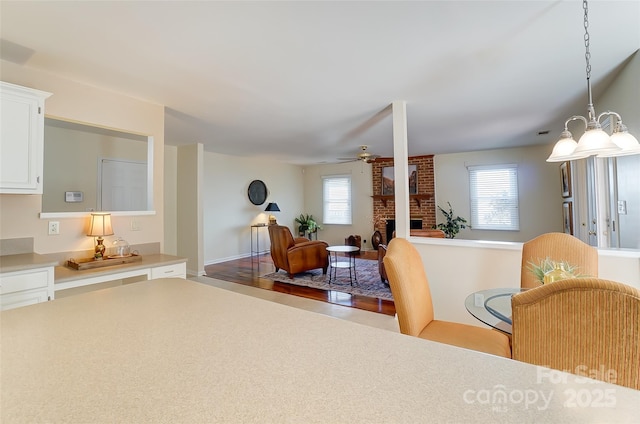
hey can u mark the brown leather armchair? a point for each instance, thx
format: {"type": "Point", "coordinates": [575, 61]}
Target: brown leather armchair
{"type": "Point", "coordinates": [296, 255]}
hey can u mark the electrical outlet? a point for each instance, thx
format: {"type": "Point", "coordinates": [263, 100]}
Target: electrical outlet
{"type": "Point", "coordinates": [54, 228]}
{"type": "Point", "coordinates": [135, 225]}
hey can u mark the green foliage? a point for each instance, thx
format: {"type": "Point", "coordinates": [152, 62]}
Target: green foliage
{"type": "Point", "coordinates": [453, 225]}
{"type": "Point", "coordinates": [307, 223]}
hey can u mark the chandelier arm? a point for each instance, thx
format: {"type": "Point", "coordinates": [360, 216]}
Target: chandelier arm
{"type": "Point", "coordinates": [619, 127]}
{"type": "Point", "coordinates": [575, 118]}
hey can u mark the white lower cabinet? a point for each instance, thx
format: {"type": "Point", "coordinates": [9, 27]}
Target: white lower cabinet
{"type": "Point", "coordinates": [22, 288]}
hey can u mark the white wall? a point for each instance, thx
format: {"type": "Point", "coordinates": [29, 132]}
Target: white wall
{"type": "Point", "coordinates": [540, 200]}
{"type": "Point", "coordinates": [362, 203]}
{"type": "Point", "coordinates": [228, 213]}
{"type": "Point", "coordinates": [19, 214]}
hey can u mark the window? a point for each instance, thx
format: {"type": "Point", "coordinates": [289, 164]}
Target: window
{"type": "Point", "coordinates": [336, 196]}
{"type": "Point", "coordinates": [494, 197]}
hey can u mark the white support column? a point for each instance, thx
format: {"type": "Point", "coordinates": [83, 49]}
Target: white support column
{"type": "Point", "coordinates": [400, 166]}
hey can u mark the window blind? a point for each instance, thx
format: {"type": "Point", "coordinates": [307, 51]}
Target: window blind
{"type": "Point", "coordinates": [494, 197]}
{"type": "Point", "coordinates": [336, 199]}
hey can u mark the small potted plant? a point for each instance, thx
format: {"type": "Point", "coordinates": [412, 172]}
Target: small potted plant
{"type": "Point", "coordinates": [307, 224]}
{"type": "Point", "coordinates": [453, 225]}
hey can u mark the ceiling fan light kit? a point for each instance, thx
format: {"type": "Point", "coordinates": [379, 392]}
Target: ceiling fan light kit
{"type": "Point", "coordinates": [594, 141]}
{"type": "Point", "coordinates": [364, 156]}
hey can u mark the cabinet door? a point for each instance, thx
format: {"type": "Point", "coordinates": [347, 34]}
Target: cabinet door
{"type": "Point", "coordinates": [21, 288]}
{"type": "Point", "coordinates": [23, 298]}
{"type": "Point", "coordinates": [21, 139]}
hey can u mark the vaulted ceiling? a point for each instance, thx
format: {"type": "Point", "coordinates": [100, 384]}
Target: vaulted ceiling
{"type": "Point", "coordinates": [304, 82]}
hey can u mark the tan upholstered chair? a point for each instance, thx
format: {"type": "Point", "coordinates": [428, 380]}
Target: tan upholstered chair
{"type": "Point", "coordinates": [412, 297]}
{"type": "Point", "coordinates": [580, 325]}
{"type": "Point", "coordinates": [558, 247]}
{"type": "Point", "coordinates": [296, 255]}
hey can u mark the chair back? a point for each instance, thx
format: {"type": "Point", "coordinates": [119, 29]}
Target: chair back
{"type": "Point", "coordinates": [409, 286]}
{"type": "Point", "coordinates": [558, 247]}
{"type": "Point", "coordinates": [281, 241]}
{"type": "Point", "coordinates": [586, 326]}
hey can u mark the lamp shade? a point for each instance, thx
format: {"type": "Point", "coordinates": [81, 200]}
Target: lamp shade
{"type": "Point", "coordinates": [627, 143]}
{"type": "Point", "coordinates": [100, 225]}
{"type": "Point", "coordinates": [272, 207]}
{"type": "Point", "coordinates": [593, 142]}
{"type": "Point", "coordinates": [565, 149]}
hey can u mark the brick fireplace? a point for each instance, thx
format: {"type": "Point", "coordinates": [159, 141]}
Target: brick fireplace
{"type": "Point", "coordinates": [422, 209]}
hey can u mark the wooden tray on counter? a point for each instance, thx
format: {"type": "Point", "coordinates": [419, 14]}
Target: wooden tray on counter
{"type": "Point", "coordinates": [91, 263]}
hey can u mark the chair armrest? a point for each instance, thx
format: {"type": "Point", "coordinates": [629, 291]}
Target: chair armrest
{"type": "Point", "coordinates": [300, 240]}
{"type": "Point", "coordinates": [382, 250]}
{"type": "Point", "coordinates": [308, 255]}
{"type": "Point", "coordinates": [310, 244]}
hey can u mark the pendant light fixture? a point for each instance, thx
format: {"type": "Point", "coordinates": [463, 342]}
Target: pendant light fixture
{"type": "Point", "coordinates": [594, 141]}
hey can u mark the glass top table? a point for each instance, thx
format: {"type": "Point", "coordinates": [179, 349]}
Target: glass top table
{"type": "Point", "coordinates": [493, 307]}
{"type": "Point", "coordinates": [335, 263]}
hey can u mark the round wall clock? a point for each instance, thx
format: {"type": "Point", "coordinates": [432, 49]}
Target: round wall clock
{"type": "Point", "coordinates": [257, 192]}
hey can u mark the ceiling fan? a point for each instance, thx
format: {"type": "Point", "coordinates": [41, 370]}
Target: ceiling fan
{"type": "Point", "coordinates": [363, 156]}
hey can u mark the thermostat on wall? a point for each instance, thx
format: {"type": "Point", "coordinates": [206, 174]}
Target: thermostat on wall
{"type": "Point", "coordinates": [73, 196]}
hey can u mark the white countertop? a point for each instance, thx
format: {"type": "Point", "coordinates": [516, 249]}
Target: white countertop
{"type": "Point", "coordinates": [174, 350]}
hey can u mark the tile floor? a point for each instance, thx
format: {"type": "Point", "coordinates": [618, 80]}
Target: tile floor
{"type": "Point", "coordinates": [372, 319]}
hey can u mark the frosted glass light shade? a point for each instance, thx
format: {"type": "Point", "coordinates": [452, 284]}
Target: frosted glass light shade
{"type": "Point", "coordinates": [627, 143]}
{"type": "Point", "coordinates": [593, 142]}
{"type": "Point", "coordinates": [564, 149]}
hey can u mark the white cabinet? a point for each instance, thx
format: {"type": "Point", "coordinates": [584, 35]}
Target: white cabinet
{"type": "Point", "coordinates": [22, 288]}
{"type": "Point", "coordinates": [21, 139]}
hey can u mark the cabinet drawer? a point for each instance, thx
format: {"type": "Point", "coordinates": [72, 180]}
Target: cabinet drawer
{"type": "Point", "coordinates": [168, 271]}
{"type": "Point", "coordinates": [14, 282]}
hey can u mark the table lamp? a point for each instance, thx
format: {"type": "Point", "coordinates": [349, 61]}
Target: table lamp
{"type": "Point", "coordinates": [100, 226]}
{"type": "Point", "coordinates": [272, 207]}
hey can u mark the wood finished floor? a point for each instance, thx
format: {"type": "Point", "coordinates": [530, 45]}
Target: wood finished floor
{"type": "Point", "coordinates": [247, 271]}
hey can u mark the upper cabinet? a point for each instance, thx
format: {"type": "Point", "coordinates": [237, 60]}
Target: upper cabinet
{"type": "Point", "coordinates": [21, 139]}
